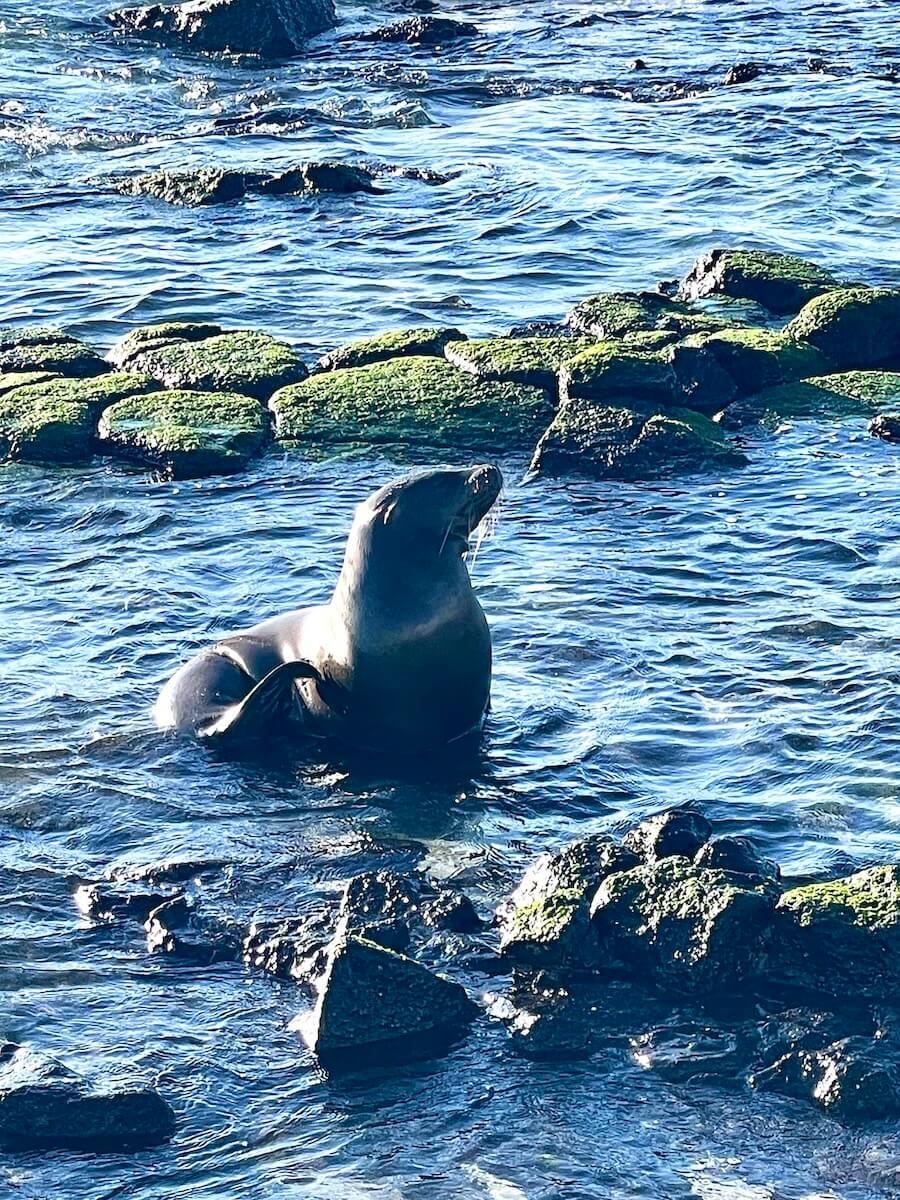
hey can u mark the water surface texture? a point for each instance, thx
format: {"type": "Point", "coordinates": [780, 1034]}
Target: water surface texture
{"type": "Point", "coordinates": [729, 641]}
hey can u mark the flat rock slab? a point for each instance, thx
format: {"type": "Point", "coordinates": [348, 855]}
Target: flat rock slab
{"type": "Point", "coordinates": [410, 401]}
{"type": "Point", "coordinates": [216, 185]}
{"type": "Point", "coordinates": [186, 434]}
{"type": "Point", "coordinates": [250, 363]}
{"type": "Point", "coordinates": [54, 422]}
{"type": "Point", "coordinates": [608, 442]}
{"type": "Point", "coordinates": [269, 28]}
{"type": "Point", "coordinates": [782, 283]}
{"type": "Point", "coordinates": [755, 359]}
{"type": "Point", "coordinates": [620, 374]}
{"type": "Point", "coordinates": [155, 337]}
{"type": "Point", "coordinates": [615, 314]}
{"type": "Point", "coordinates": [49, 350]}
{"type": "Point", "coordinates": [848, 394]}
{"type": "Point", "coordinates": [532, 361]}
{"type": "Point", "coordinates": [374, 998]}
{"type": "Point", "coordinates": [853, 327]}
{"type": "Point", "coordinates": [426, 342]}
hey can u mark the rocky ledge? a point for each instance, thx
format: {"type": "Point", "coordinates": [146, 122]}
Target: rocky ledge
{"type": "Point", "coordinates": [269, 28]}
{"type": "Point", "coordinates": [631, 386]}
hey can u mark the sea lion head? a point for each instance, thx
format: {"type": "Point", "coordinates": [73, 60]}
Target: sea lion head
{"type": "Point", "coordinates": [431, 514]}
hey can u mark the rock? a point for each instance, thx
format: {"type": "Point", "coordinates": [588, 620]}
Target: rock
{"type": "Point", "coordinates": [269, 28]}
{"type": "Point", "coordinates": [849, 394]}
{"type": "Point", "coordinates": [120, 901]}
{"type": "Point", "coordinates": [185, 434]}
{"type": "Point", "coordinates": [853, 327]}
{"type": "Point", "coordinates": [296, 948]}
{"type": "Point", "coordinates": [541, 329]}
{"type": "Point", "coordinates": [619, 375]}
{"type": "Point", "coordinates": [736, 854]}
{"type": "Point", "coordinates": [174, 870]}
{"type": "Point", "coordinates": [685, 928]}
{"type": "Point", "coordinates": [853, 1080]}
{"type": "Point", "coordinates": [842, 937]}
{"type": "Point", "coordinates": [886, 426]}
{"type": "Point", "coordinates": [452, 911]}
{"type": "Point", "coordinates": [375, 1002]}
{"type": "Point", "coordinates": [422, 31]}
{"type": "Point", "coordinates": [214, 185]}
{"type": "Point", "coordinates": [244, 361]}
{"type": "Point", "coordinates": [742, 72]}
{"type": "Point", "coordinates": [553, 1022]}
{"type": "Point", "coordinates": [176, 928]}
{"type": "Point", "coordinates": [319, 178]}
{"type": "Point", "coordinates": [692, 1050]}
{"type": "Point", "coordinates": [41, 348]}
{"type": "Point", "coordinates": [45, 1106]}
{"type": "Point", "coordinates": [154, 337]}
{"type": "Point", "coordinates": [755, 359]}
{"type": "Point", "coordinates": [678, 831]}
{"type": "Point", "coordinates": [55, 421]}
{"type": "Point", "coordinates": [392, 935]}
{"type": "Point", "coordinates": [793, 1029]}
{"type": "Point", "coordinates": [637, 64]}
{"type": "Point", "coordinates": [546, 920]}
{"type": "Point", "coordinates": [614, 314]}
{"type": "Point", "coordinates": [609, 442]}
{"type": "Point", "coordinates": [398, 343]}
{"type": "Point", "coordinates": [17, 379]}
{"type": "Point", "coordinates": [782, 283]}
{"type": "Point", "coordinates": [532, 361]}
{"type": "Point", "coordinates": [703, 385]}
{"type": "Point", "coordinates": [379, 896]}
{"type": "Point", "coordinates": [410, 401]}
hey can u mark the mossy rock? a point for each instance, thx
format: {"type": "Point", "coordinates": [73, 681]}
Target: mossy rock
{"type": "Point", "coordinates": [761, 358]}
{"type": "Point", "coordinates": [55, 421]}
{"type": "Point", "coordinates": [186, 434]}
{"type": "Point", "coordinates": [250, 363]}
{"type": "Point", "coordinates": [153, 337]}
{"type": "Point", "coordinates": [843, 936]}
{"type": "Point", "coordinates": [397, 343]}
{"type": "Point", "coordinates": [533, 361]}
{"type": "Point", "coordinates": [17, 379]}
{"type": "Point", "coordinates": [848, 394]}
{"type": "Point", "coordinates": [782, 283]}
{"type": "Point", "coordinates": [853, 327]}
{"type": "Point", "coordinates": [189, 189]}
{"type": "Point", "coordinates": [616, 314]}
{"type": "Point", "coordinates": [412, 401]}
{"type": "Point", "coordinates": [610, 442]}
{"type": "Point", "coordinates": [42, 348]}
{"type": "Point", "coordinates": [615, 373]}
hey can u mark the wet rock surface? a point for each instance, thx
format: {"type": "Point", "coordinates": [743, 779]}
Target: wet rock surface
{"type": "Point", "coordinates": [422, 31]}
{"type": "Point", "coordinates": [782, 283]}
{"type": "Point", "coordinates": [269, 28]}
{"type": "Point", "coordinates": [886, 426]}
{"type": "Point", "coordinates": [399, 343]}
{"type": "Point", "coordinates": [217, 185]}
{"type": "Point", "coordinates": [678, 832]}
{"type": "Point", "coordinates": [853, 327]}
{"type": "Point", "coordinates": [243, 362]}
{"type": "Point", "coordinates": [45, 349]}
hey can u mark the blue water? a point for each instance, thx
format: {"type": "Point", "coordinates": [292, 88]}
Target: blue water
{"type": "Point", "coordinates": [730, 641]}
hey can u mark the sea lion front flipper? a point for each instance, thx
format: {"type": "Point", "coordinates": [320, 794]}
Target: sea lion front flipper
{"type": "Point", "coordinates": [266, 706]}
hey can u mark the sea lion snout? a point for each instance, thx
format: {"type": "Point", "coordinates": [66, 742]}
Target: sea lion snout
{"type": "Point", "coordinates": [484, 483]}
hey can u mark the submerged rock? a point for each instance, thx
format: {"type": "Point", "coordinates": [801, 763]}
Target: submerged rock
{"type": "Point", "coordinates": [120, 901]}
{"type": "Point", "coordinates": [849, 394]}
{"type": "Point", "coordinates": [842, 937]}
{"type": "Point", "coordinates": [692, 1050]}
{"type": "Point", "coordinates": [453, 911]}
{"type": "Point", "coordinates": [422, 31]}
{"type": "Point", "coordinates": [45, 1106]}
{"type": "Point", "coordinates": [410, 401]}
{"type": "Point", "coordinates": [736, 854]}
{"type": "Point", "coordinates": [535, 361]}
{"type": "Point", "coordinates": [374, 1002]}
{"type": "Point", "coordinates": [177, 928]}
{"type": "Point", "coordinates": [855, 1080]}
{"type": "Point", "coordinates": [886, 425]}
{"type": "Point", "coordinates": [546, 922]}
{"type": "Point", "coordinates": [243, 361]}
{"type": "Point", "coordinates": [270, 28]}
{"type": "Point", "coordinates": [782, 283]}
{"type": "Point", "coordinates": [379, 896]}
{"type": "Point", "coordinates": [42, 348]}
{"type": "Point", "coordinates": [185, 434]}
{"type": "Point", "coordinates": [398, 343]}
{"type": "Point", "coordinates": [54, 422]}
{"type": "Point", "coordinates": [295, 948]}
{"type": "Point", "coordinates": [615, 314]}
{"type": "Point", "coordinates": [215, 185]}
{"type": "Point", "coordinates": [853, 327]}
{"type": "Point", "coordinates": [686, 928]}
{"type": "Point", "coordinates": [742, 72]}
{"type": "Point", "coordinates": [678, 831]}
{"type": "Point", "coordinates": [609, 442]}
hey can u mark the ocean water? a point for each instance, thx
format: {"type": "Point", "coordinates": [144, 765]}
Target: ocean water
{"type": "Point", "coordinates": [725, 640]}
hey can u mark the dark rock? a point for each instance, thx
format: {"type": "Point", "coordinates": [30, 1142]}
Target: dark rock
{"type": "Point", "coordinates": [886, 426]}
{"type": "Point", "coordinates": [553, 1022]}
{"type": "Point", "coordinates": [816, 65]}
{"type": "Point", "coordinates": [855, 1080]}
{"type": "Point", "coordinates": [397, 343]}
{"type": "Point", "coordinates": [176, 870]}
{"type": "Point", "coordinates": [782, 283]}
{"type": "Point", "coordinates": [853, 327]}
{"type": "Point", "coordinates": [333, 178]}
{"type": "Point", "coordinates": [621, 375]}
{"type": "Point", "coordinates": [638, 65]}
{"type": "Point", "coordinates": [374, 1001]}
{"type": "Point", "coordinates": [756, 359]}
{"type": "Point", "coordinates": [270, 28]}
{"type": "Point", "coordinates": [704, 385]}
{"type": "Point", "coordinates": [392, 935]}
{"type": "Point", "coordinates": [541, 329]}
{"type": "Point", "coordinates": [684, 928]}
{"type": "Point", "coordinates": [296, 948]}
{"type": "Point", "coordinates": [736, 854]}
{"type": "Point", "coordinates": [742, 72]}
{"type": "Point", "coordinates": [676, 831]}
{"type": "Point", "coordinates": [380, 896]}
{"type": "Point", "coordinates": [214, 185]}
{"type": "Point", "coordinates": [453, 911]}
{"type": "Point", "coordinates": [120, 901]}
{"type": "Point", "coordinates": [809, 1029]}
{"type": "Point", "coordinates": [691, 1050]}
{"type": "Point", "coordinates": [44, 349]}
{"type": "Point", "coordinates": [45, 1106]}
{"type": "Point", "coordinates": [177, 928]}
{"type": "Point", "coordinates": [422, 31]}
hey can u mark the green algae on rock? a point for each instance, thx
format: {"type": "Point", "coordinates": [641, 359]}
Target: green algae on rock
{"type": "Point", "coordinates": [691, 929]}
{"type": "Point", "coordinates": [219, 185]}
{"type": "Point", "coordinates": [853, 327]}
{"type": "Point", "coordinates": [843, 936]}
{"type": "Point", "coordinates": [756, 359]}
{"type": "Point", "coordinates": [782, 283]}
{"type": "Point", "coordinates": [42, 348]}
{"type": "Point", "coordinates": [17, 379]}
{"type": "Point", "coordinates": [153, 337]}
{"type": "Point", "coordinates": [55, 421]}
{"type": "Point", "coordinates": [254, 364]}
{"type": "Point", "coordinates": [848, 394]}
{"type": "Point", "coordinates": [611, 442]}
{"type": "Point", "coordinates": [396, 343]}
{"type": "Point", "coordinates": [372, 999]}
{"type": "Point", "coordinates": [413, 401]}
{"type": "Point", "coordinates": [186, 434]}
{"type": "Point", "coordinates": [615, 314]}
{"type": "Point", "coordinates": [614, 373]}
{"type": "Point", "coordinates": [530, 360]}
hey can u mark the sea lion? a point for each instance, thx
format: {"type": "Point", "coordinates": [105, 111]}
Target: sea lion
{"type": "Point", "coordinates": [399, 659]}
